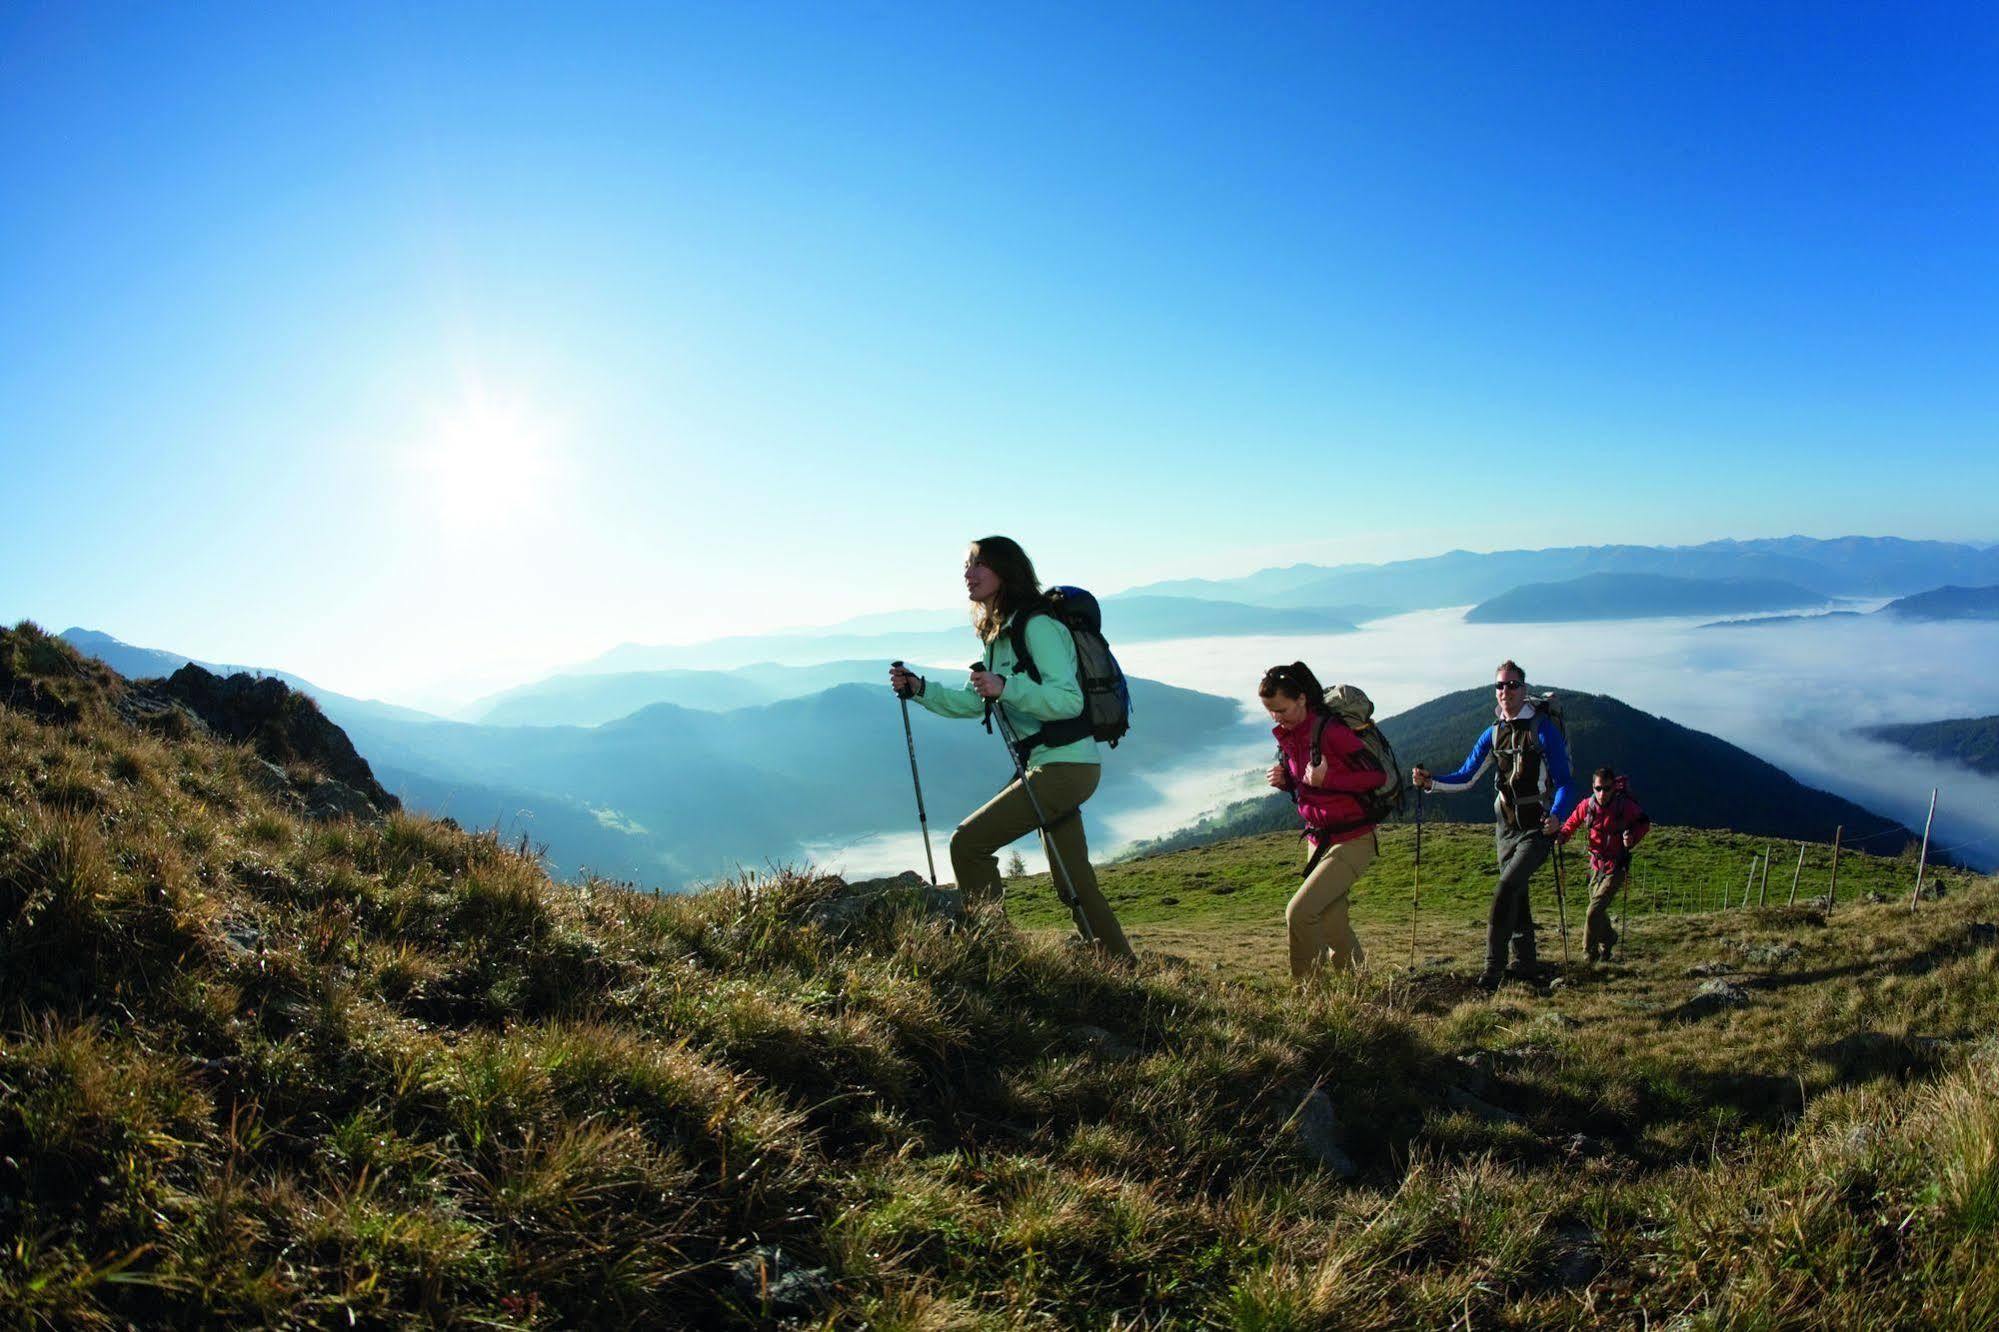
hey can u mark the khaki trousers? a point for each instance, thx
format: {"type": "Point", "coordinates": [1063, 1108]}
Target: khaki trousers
{"type": "Point", "coordinates": [1604, 885]}
{"type": "Point", "coordinates": [1061, 788]}
{"type": "Point", "coordinates": [1316, 918]}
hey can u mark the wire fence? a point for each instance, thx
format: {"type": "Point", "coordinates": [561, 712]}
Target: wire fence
{"type": "Point", "coordinates": [1813, 878]}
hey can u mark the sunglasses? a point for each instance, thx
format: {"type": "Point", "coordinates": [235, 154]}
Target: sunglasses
{"type": "Point", "coordinates": [1601, 790]}
{"type": "Point", "coordinates": [1501, 686]}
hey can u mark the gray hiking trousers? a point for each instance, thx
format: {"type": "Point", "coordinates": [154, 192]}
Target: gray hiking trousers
{"type": "Point", "coordinates": [1521, 852]}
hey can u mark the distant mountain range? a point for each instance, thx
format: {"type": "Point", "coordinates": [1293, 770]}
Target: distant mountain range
{"type": "Point", "coordinates": [1127, 619]}
{"type": "Point", "coordinates": [1681, 776]}
{"type": "Point", "coordinates": [667, 794]}
{"type": "Point", "coordinates": [592, 700]}
{"type": "Point", "coordinates": [1635, 596]}
{"type": "Point", "coordinates": [1936, 605]}
{"type": "Point", "coordinates": [1847, 566]}
{"type": "Point", "coordinates": [1970, 741]}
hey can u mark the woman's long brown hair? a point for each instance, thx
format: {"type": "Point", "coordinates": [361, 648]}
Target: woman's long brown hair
{"type": "Point", "coordinates": [1019, 587]}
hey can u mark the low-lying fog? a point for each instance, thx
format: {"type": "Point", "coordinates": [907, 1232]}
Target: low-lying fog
{"type": "Point", "coordinates": [1791, 693]}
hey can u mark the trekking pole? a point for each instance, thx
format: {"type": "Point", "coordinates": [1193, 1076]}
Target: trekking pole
{"type": "Point", "coordinates": [1416, 890]}
{"type": "Point", "coordinates": [1561, 904]}
{"type": "Point", "coordinates": [1065, 887]}
{"type": "Point", "coordinates": [922, 818]}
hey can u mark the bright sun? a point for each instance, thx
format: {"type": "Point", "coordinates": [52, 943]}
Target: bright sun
{"type": "Point", "coordinates": [487, 465]}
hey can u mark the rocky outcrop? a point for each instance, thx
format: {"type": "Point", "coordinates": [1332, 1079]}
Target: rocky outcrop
{"type": "Point", "coordinates": [842, 906]}
{"type": "Point", "coordinates": [306, 755]}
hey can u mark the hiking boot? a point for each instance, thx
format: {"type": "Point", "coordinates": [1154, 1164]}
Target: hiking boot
{"type": "Point", "coordinates": [1526, 968]}
{"type": "Point", "coordinates": [1488, 981]}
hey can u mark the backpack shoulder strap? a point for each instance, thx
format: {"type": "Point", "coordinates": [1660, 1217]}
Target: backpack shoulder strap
{"type": "Point", "coordinates": [1318, 737]}
{"type": "Point", "coordinates": [1023, 660]}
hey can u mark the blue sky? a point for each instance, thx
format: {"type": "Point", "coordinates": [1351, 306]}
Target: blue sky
{"type": "Point", "coordinates": [425, 348]}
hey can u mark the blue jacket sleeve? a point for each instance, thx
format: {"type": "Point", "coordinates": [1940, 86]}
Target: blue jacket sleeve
{"type": "Point", "coordinates": [1472, 768]}
{"type": "Point", "coordinates": [1556, 751]}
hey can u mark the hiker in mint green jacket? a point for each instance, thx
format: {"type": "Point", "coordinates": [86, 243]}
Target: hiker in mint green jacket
{"type": "Point", "coordinates": [1001, 583]}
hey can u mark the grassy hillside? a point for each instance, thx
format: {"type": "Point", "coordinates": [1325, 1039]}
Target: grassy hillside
{"type": "Point", "coordinates": [1972, 741]}
{"type": "Point", "coordinates": [261, 1071]}
{"type": "Point", "coordinates": [1633, 596]}
{"type": "Point", "coordinates": [1226, 899]}
{"type": "Point", "coordinates": [1682, 776]}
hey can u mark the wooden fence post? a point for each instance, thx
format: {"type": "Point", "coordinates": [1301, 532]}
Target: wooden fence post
{"type": "Point", "coordinates": [1749, 886]}
{"type": "Point", "coordinates": [1922, 862]}
{"type": "Point", "coordinates": [1832, 893]}
{"type": "Point", "coordinates": [1763, 890]}
{"type": "Point", "coordinates": [1794, 875]}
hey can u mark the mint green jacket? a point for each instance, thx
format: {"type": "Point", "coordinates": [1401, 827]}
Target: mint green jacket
{"type": "Point", "coordinates": [1025, 703]}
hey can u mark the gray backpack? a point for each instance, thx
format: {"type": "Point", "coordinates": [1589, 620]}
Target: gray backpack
{"type": "Point", "coordinates": [1355, 710]}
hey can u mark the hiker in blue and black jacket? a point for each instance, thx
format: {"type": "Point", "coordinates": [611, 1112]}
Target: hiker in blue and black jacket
{"type": "Point", "coordinates": [1531, 755]}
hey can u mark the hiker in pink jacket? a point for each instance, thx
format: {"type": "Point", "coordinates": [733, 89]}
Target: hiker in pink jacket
{"type": "Point", "coordinates": [1616, 824]}
{"type": "Point", "coordinates": [1336, 824]}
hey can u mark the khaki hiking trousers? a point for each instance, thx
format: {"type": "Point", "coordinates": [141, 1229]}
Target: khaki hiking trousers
{"type": "Point", "coordinates": [1604, 885]}
{"type": "Point", "coordinates": [1061, 788]}
{"type": "Point", "coordinates": [1316, 918]}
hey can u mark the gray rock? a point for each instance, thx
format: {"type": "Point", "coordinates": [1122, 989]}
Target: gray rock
{"type": "Point", "coordinates": [768, 1280]}
{"type": "Point", "coordinates": [1583, 1146]}
{"type": "Point", "coordinates": [1710, 969]}
{"type": "Point", "coordinates": [337, 800]}
{"type": "Point", "coordinates": [1721, 993]}
{"type": "Point", "coordinates": [845, 904]}
{"type": "Point", "coordinates": [1477, 1068]}
{"type": "Point", "coordinates": [1581, 1255]}
{"type": "Point", "coordinates": [1771, 953]}
{"type": "Point", "coordinates": [1315, 1126]}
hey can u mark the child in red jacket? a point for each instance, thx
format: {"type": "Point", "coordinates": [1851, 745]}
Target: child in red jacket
{"type": "Point", "coordinates": [1616, 824]}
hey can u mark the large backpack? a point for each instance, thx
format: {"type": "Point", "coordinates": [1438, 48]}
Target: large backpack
{"type": "Point", "coordinates": [1545, 705]}
{"type": "Point", "coordinates": [1354, 709]}
{"type": "Point", "coordinates": [1106, 714]}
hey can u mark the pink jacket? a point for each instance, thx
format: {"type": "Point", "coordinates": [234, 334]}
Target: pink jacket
{"type": "Point", "coordinates": [1331, 812]}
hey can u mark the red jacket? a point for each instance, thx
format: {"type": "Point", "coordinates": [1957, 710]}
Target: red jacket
{"type": "Point", "coordinates": [1332, 812]}
{"type": "Point", "coordinates": [1608, 824]}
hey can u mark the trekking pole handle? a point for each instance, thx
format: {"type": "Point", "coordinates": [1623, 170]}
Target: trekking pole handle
{"type": "Point", "coordinates": [904, 692]}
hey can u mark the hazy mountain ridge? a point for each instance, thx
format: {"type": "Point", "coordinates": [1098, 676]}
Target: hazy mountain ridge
{"type": "Point", "coordinates": [1972, 742]}
{"type": "Point", "coordinates": [1845, 566]}
{"type": "Point", "coordinates": [1934, 606]}
{"type": "Point", "coordinates": [1127, 619]}
{"type": "Point", "coordinates": [1632, 596]}
{"type": "Point", "coordinates": [707, 790]}
{"type": "Point", "coordinates": [667, 794]}
{"type": "Point", "coordinates": [1947, 603]}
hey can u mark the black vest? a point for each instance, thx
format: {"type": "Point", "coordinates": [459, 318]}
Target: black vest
{"type": "Point", "coordinates": [1516, 754]}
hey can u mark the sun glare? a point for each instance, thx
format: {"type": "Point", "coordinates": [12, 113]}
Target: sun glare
{"type": "Point", "coordinates": [485, 465]}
